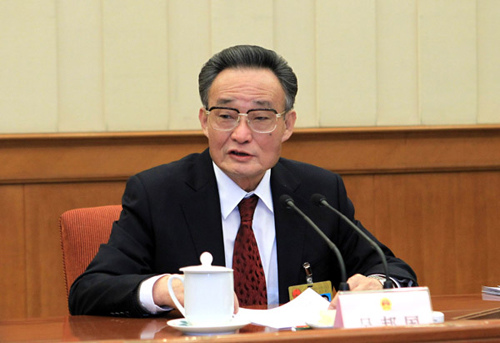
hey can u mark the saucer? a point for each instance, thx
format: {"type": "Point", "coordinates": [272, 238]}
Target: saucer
{"type": "Point", "coordinates": [183, 325]}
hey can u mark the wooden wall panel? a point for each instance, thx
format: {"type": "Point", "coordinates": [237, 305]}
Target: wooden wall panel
{"type": "Point", "coordinates": [431, 195]}
{"type": "Point", "coordinates": [80, 157]}
{"type": "Point", "coordinates": [486, 216]}
{"type": "Point", "coordinates": [445, 225]}
{"type": "Point", "coordinates": [12, 252]}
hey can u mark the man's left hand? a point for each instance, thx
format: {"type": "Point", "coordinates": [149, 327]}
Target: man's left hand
{"type": "Point", "coordinates": [358, 282]}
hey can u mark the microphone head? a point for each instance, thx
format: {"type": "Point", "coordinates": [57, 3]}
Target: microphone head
{"type": "Point", "coordinates": [286, 200]}
{"type": "Point", "coordinates": [317, 199]}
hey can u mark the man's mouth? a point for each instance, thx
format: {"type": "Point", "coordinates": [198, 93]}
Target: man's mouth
{"type": "Point", "coordinates": [239, 153]}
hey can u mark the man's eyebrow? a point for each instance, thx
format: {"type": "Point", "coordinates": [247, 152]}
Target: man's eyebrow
{"type": "Point", "coordinates": [224, 101]}
{"type": "Point", "coordinates": [257, 103]}
{"type": "Point", "coordinates": [263, 103]}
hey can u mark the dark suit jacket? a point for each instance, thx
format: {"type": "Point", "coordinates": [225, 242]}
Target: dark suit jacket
{"type": "Point", "coordinates": [171, 214]}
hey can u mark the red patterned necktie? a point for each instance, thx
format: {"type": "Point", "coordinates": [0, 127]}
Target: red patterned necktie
{"type": "Point", "coordinates": [249, 277]}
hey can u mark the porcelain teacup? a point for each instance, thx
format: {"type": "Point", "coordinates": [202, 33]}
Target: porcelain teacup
{"type": "Point", "coordinates": [208, 293]}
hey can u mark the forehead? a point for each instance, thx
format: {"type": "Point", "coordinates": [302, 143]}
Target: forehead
{"type": "Point", "coordinates": [257, 86]}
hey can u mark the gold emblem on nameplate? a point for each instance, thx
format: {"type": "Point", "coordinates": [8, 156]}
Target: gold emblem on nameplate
{"type": "Point", "coordinates": [386, 304]}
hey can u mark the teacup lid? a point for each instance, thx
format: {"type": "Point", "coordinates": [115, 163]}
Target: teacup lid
{"type": "Point", "coordinates": [206, 266]}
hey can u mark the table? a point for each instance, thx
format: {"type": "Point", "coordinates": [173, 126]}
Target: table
{"type": "Point", "coordinates": [94, 328]}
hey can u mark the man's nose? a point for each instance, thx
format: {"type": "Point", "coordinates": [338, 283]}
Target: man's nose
{"type": "Point", "coordinates": [242, 131]}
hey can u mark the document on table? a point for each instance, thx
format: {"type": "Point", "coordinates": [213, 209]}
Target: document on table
{"type": "Point", "coordinates": [297, 312]}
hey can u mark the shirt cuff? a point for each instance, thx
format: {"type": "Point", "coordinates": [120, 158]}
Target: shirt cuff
{"type": "Point", "coordinates": [146, 296]}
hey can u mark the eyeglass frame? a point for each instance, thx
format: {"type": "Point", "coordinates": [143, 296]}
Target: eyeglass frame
{"type": "Point", "coordinates": [278, 115]}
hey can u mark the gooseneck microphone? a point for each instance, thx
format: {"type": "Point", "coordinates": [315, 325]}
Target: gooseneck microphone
{"type": "Point", "coordinates": [320, 201]}
{"type": "Point", "coordinates": [288, 203]}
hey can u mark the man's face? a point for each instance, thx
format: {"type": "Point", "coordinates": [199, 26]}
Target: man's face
{"type": "Point", "coordinates": [245, 155]}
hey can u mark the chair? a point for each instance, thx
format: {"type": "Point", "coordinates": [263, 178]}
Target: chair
{"type": "Point", "coordinates": [82, 230]}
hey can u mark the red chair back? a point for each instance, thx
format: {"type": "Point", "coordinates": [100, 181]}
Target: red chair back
{"type": "Point", "coordinates": [82, 231]}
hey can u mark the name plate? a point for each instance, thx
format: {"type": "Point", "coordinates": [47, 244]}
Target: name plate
{"type": "Point", "coordinates": [388, 307]}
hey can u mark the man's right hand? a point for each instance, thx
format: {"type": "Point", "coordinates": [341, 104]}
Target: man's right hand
{"type": "Point", "coordinates": [162, 297]}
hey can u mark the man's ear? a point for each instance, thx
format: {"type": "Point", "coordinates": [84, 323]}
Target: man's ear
{"type": "Point", "coordinates": [203, 117]}
{"type": "Point", "coordinates": [290, 119]}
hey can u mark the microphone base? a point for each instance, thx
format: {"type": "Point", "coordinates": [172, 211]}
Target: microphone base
{"type": "Point", "coordinates": [388, 284]}
{"type": "Point", "coordinates": [344, 286]}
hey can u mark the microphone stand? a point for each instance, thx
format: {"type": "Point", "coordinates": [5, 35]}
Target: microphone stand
{"type": "Point", "coordinates": [320, 200]}
{"type": "Point", "coordinates": [288, 202]}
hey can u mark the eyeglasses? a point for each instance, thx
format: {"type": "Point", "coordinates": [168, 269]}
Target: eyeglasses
{"type": "Point", "coordinates": [261, 120]}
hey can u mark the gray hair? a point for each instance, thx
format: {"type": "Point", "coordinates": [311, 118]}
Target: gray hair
{"type": "Point", "coordinates": [248, 56]}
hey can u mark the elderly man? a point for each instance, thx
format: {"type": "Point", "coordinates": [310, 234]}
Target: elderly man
{"type": "Point", "coordinates": [174, 212]}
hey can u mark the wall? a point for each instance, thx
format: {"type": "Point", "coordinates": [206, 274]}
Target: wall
{"type": "Point", "coordinates": [106, 67]}
{"type": "Point", "coordinates": [431, 194]}
{"type": "Point", "coordinates": [126, 65]}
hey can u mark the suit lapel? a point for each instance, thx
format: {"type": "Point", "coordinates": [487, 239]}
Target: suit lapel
{"type": "Point", "coordinates": [289, 231]}
{"type": "Point", "coordinates": [202, 209]}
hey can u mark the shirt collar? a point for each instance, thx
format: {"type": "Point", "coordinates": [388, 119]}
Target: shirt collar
{"type": "Point", "coordinates": [231, 194]}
